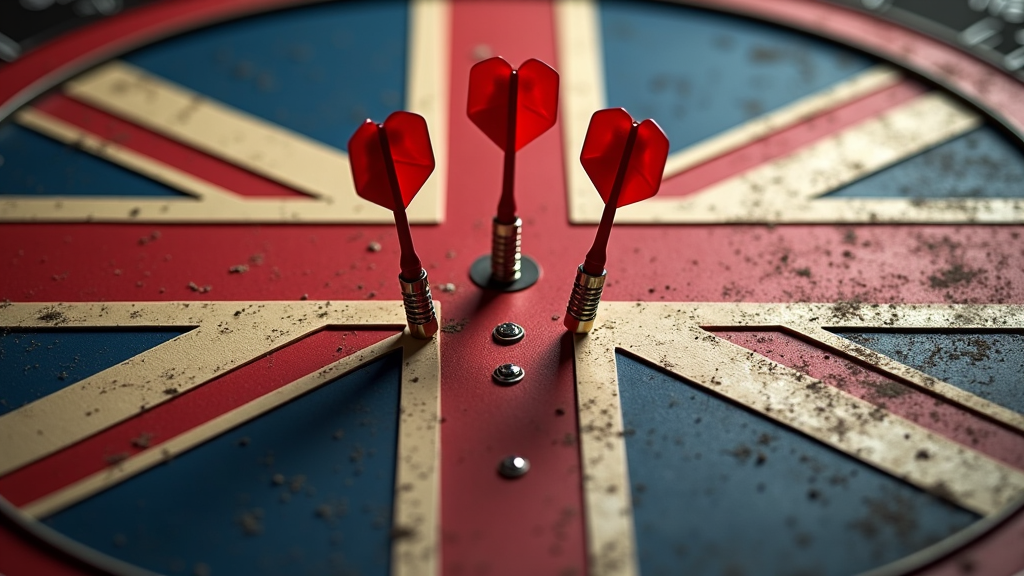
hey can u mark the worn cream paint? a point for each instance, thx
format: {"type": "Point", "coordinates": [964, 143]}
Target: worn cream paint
{"type": "Point", "coordinates": [226, 335]}
{"type": "Point", "coordinates": [320, 171]}
{"type": "Point", "coordinates": [788, 189]}
{"type": "Point", "coordinates": [673, 336]}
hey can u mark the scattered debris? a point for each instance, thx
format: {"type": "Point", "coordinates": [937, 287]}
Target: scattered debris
{"type": "Point", "coordinates": [449, 287]}
{"type": "Point", "coordinates": [238, 269]}
{"type": "Point", "coordinates": [251, 522]}
{"type": "Point", "coordinates": [143, 440]}
{"type": "Point", "coordinates": [400, 532]}
{"type": "Point", "coordinates": [200, 289]}
{"type": "Point", "coordinates": [956, 274]}
{"type": "Point", "coordinates": [52, 315]}
{"type": "Point", "coordinates": [373, 247]}
{"type": "Point", "coordinates": [117, 458]}
{"type": "Point", "coordinates": [453, 327]}
{"type": "Point", "coordinates": [153, 236]}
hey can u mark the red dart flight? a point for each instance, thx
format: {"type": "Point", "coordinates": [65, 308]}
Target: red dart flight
{"type": "Point", "coordinates": [390, 162]}
{"type": "Point", "coordinates": [512, 107]}
{"type": "Point", "coordinates": [625, 160]}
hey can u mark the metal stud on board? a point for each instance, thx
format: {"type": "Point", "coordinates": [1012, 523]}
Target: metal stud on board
{"type": "Point", "coordinates": [508, 333]}
{"type": "Point", "coordinates": [508, 374]}
{"type": "Point", "coordinates": [514, 466]}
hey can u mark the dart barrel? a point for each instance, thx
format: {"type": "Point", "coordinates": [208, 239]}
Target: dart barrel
{"type": "Point", "coordinates": [584, 300]}
{"type": "Point", "coordinates": [506, 250]}
{"type": "Point", "coordinates": [419, 306]}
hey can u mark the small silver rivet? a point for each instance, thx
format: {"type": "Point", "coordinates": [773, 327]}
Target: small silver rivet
{"type": "Point", "coordinates": [508, 374]}
{"type": "Point", "coordinates": [514, 466]}
{"type": "Point", "coordinates": [508, 333]}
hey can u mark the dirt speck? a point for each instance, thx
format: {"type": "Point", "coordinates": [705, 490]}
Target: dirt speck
{"type": "Point", "coordinates": [143, 440]}
{"type": "Point", "coordinates": [53, 316]}
{"type": "Point", "coordinates": [955, 274]}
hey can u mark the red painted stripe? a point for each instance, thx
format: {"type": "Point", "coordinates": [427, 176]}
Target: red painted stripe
{"type": "Point", "coordinates": [928, 411]}
{"type": "Point", "coordinates": [165, 150]}
{"type": "Point", "coordinates": [791, 139]}
{"type": "Point", "coordinates": [185, 412]}
{"type": "Point", "coordinates": [534, 524]}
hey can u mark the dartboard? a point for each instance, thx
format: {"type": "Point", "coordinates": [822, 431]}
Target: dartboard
{"type": "Point", "coordinates": [807, 357]}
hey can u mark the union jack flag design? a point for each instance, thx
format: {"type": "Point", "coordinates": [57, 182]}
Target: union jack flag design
{"type": "Point", "coordinates": [807, 359]}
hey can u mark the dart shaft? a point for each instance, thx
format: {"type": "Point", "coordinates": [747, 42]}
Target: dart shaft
{"type": "Point", "coordinates": [507, 203]}
{"type": "Point", "coordinates": [410, 262]}
{"type": "Point", "coordinates": [598, 254]}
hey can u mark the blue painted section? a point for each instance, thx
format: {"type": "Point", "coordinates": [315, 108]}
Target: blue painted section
{"type": "Point", "coordinates": [219, 505]}
{"type": "Point", "coordinates": [981, 164]}
{"type": "Point", "coordinates": [987, 365]}
{"type": "Point", "coordinates": [720, 490]}
{"type": "Point", "coordinates": [35, 165]}
{"type": "Point", "coordinates": [698, 73]}
{"type": "Point", "coordinates": [318, 70]}
{"type": "Point", "coordinates": [35, 364]}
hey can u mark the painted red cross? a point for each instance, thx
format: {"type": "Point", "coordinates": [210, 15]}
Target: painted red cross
{"type": "Point", "coordinates": [486, 520]}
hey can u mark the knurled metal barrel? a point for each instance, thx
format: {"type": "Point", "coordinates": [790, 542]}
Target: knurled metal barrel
{"type": "Point", "coordinates": [419, 306]}
{"type": "Point", "coordinates": [506, 251]}
{"type": "Point", "coordinates": [584, 300]}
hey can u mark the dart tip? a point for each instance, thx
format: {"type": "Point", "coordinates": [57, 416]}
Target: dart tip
{"type": "Point", "coordinates": [581, 312]}
{"type": "Point", "coordinates": [424, 331]}
{"type": "Point", "coordinates": [577, 326]}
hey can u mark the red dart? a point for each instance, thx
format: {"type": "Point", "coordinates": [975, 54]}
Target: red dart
{"type": "Point", "coordinates": [390, 162]}
{"type": "Point", "coordinates": [512, 107]}
{"type": "Point", "coordinates": [625, 160]}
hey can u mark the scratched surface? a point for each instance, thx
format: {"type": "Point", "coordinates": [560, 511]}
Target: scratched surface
{"type": "Point", "coordinates": [745, 68]}
{"type": "Point", "coordinates": [36, 364]}
{"type": "Point", "coordinates": [297, 68]}
{"type": "Point", "coordinates": [315, 477]}
{"type": "Point", "coordinates": [541, 522]}
{"type": "Point", "coordinates": [708, 478]}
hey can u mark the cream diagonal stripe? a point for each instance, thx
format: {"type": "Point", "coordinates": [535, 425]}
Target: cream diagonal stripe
{"type": "Point", "coordinates": [867, 82]}
{"type": "Point", "coordinates": [584, 89]}
{"type": "Point", "coordinates": [224, 335]}
{"type": "Point", "coordinates": [417, 468]}
{"type": "Point", "coordinates": [249, 142]}
{"type": "Point", "coordinates": [208, 202]}
{"type": "Point", "coordinates": [786, 190]}
{"type": "Point", "coordinates": [911, 376]}
{"type": "Point", "coordinates": [673, 337]}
